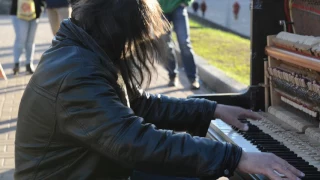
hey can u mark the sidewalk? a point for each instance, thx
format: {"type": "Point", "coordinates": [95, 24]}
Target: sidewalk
{"type": "Point", "coordinates": [11, 90]}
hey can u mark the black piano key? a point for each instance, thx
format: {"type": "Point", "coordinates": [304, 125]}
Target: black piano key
{"type": "Point", "coordinates": [312, 176]}
{"type": "Point", "coordinates": [255, 135]}
{"type": "Point", "coordinates": [254, 130]}
{"type": "Point", "coordinates": [297, 163]}
{"type": "Point", "coordinates": [275, 148]}
{"type": "Point", "coordinates": [306, 169]}
{"type": "Point", "coordinates": [288, 153]}
{"type": "Point", "coordinates": [310, 173]}
{"type": "Point", "coordinates": [271, 149]}
{"type": "Point", "coordinates": [263, 138]}
{"type": "Point", "coordinates": [265, 143]}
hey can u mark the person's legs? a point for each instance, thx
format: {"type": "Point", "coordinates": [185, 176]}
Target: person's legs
{"type": "Point", "coordinates": [30, 46]}
{"type": "Point", "coordinates": [63, 13]}
{"type": "Point", "coordinates": [53, 19]}
{"type": "Point", "coordinates": [21, 30]}
{"type": "Point", "coordinates": [181, 27]}
{"type": "Point", "coordinates": [171, 63]}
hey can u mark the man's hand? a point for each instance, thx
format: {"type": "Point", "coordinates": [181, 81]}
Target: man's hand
{"type": "Point", "coordinates": [232, 114]}
{"type": "Point", "coordinates": [267, 164]}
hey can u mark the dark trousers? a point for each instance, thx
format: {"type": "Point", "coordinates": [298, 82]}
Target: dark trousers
{"type": "Point", "coordinates": [180, 20]}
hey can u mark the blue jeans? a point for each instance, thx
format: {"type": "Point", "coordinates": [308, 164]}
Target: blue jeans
{"type": "Point", "coordinates": [180, 21]}
{"type": "Point", "coordinates": [146, 176]}
{"type": "Point", "coordinates": [25, 33]}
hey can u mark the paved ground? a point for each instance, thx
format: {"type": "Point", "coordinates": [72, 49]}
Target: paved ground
{"type": "Point", "coordinates": [12, 89]}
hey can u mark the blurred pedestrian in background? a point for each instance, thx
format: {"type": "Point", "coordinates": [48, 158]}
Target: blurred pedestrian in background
{"type": "Point", "coordinates": [176, 13]}
{"type": "Point", "coordinates": [57, 11]}
{"type": "Point", "coordinates": [195, 6]}
{"type": "Point", "coordinates": [203, 8]}
{"type": "Point", "coordinates": [25, 14]}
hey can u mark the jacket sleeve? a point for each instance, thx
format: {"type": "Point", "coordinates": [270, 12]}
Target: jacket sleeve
{"type": "Point", "coordinates": [192, 115]}
{"type": "Point", "coordinates": [94, 116]}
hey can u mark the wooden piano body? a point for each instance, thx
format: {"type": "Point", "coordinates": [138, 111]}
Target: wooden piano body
{"type": "Point", "coordinates": [284, 88]}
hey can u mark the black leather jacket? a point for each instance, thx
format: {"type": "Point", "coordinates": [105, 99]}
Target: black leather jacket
{"type": "Point", "coordinates": [74, 122]}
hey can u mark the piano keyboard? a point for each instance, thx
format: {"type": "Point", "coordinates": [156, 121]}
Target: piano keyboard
{"type": "Point", "coordinates": [265, 136]}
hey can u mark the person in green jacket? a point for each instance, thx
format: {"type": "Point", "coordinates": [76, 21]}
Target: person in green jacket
{"type": "Point", "coordinates": [176, 13]}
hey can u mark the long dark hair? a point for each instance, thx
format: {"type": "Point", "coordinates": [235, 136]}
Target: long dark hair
{"type": "Point", "coordinates": [129, 31]}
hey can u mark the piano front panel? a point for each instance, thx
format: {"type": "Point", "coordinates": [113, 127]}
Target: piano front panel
{"type": "Point", "coordinates": [293, 76]}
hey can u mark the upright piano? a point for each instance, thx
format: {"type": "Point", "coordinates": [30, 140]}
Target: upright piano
{"type": "Point", "coordinates": [284, 86]}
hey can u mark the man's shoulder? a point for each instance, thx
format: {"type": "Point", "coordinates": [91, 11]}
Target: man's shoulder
{"type": "Point", "coordinates": [57, 63]}
{"type": "Point", "coordinates": [69, 54]}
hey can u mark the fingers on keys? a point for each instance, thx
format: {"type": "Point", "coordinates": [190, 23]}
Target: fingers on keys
{"type": "Point", "coordinates": [282, 170]}
{"type": "Point", "coordinates": [252, 115]}
{"type": "Point", "coordinates": [241, 126]}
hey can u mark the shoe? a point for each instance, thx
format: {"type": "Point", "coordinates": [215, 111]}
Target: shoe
{"type": "Point", "coordinates": [30, 68]}
{"type": "Point", "coordinates": [16, 69]}
{"type": "Point", "coordinates": [172, 82]}
{"type": "Point", "coordinates": [195, 85]}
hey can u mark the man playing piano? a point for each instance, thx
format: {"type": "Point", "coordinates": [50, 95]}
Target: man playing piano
{"type": "Point", "coordinates": [81, 116]}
